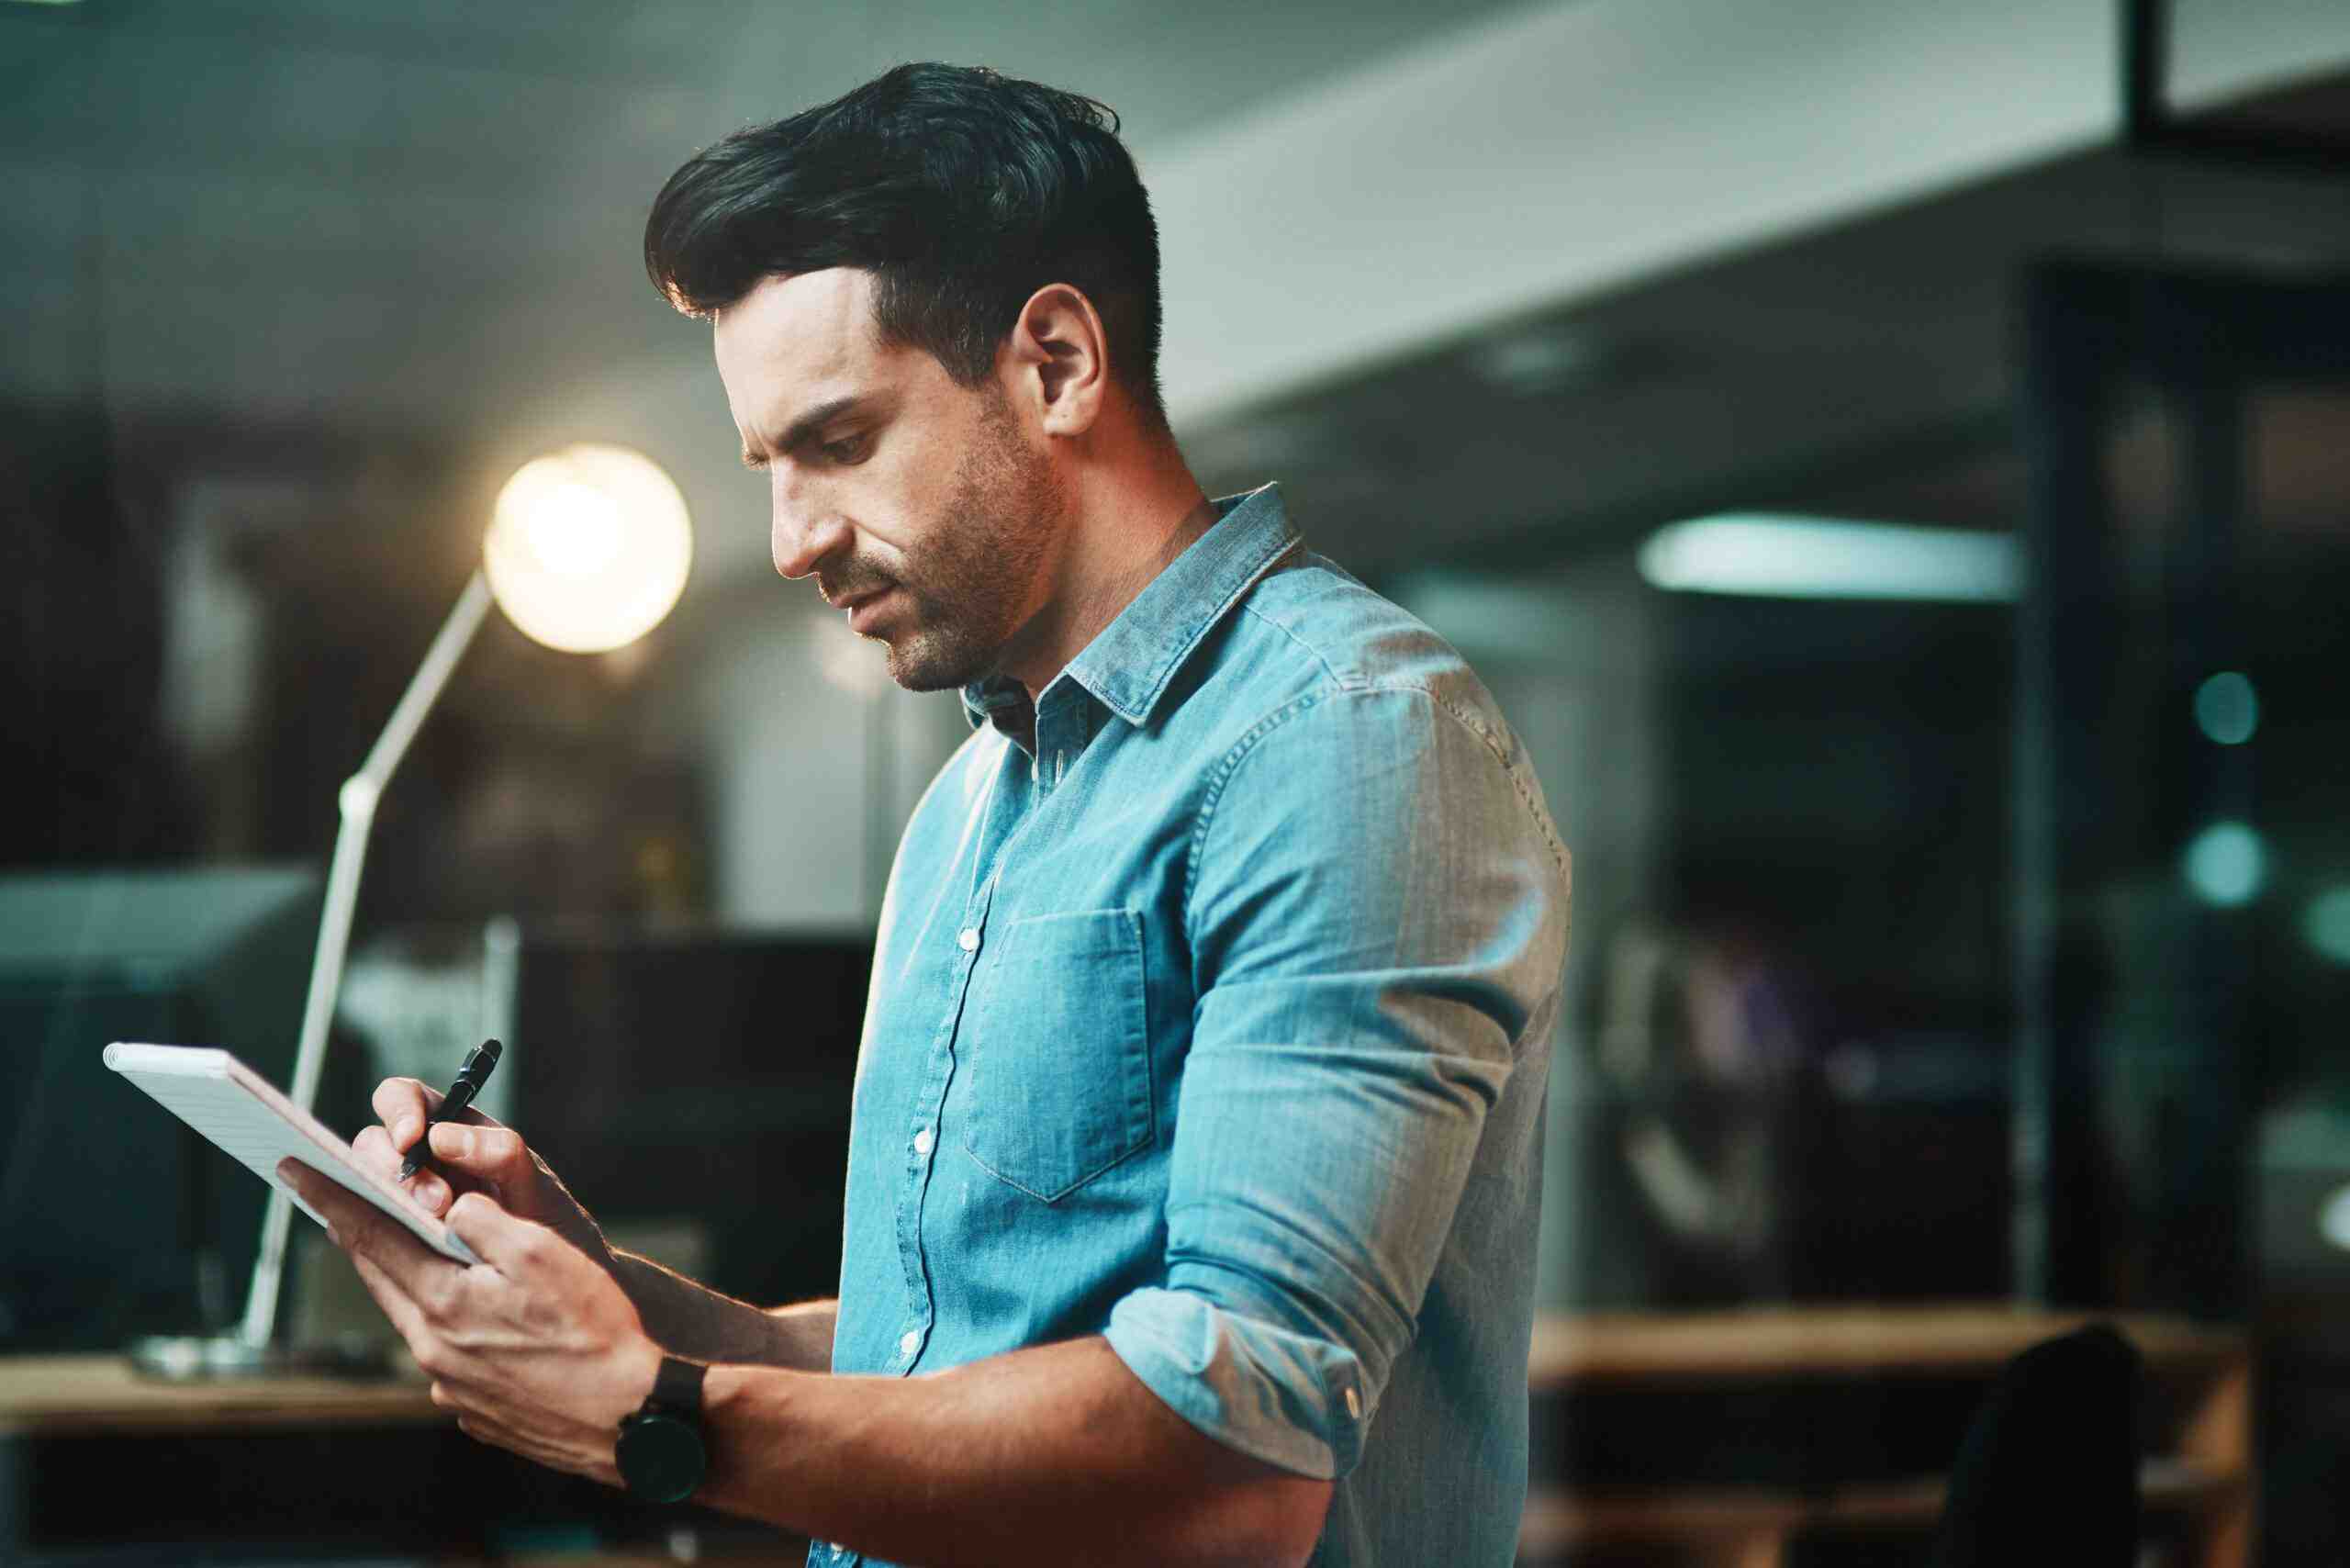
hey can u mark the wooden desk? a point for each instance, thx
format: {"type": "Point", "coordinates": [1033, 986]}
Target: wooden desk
{"type": "Point", "coordinates": [53, 1395]}
{"type": "Point", "coordinates": [97, 1459]}
{"type": "Point", "coordinates": [2204, 1476]}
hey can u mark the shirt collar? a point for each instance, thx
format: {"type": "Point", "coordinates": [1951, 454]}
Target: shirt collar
{"type": "Point", "coordinates": [1129, 664]}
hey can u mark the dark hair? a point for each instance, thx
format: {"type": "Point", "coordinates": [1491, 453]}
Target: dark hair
{"type": "Point", "coordinates": [960, 190]}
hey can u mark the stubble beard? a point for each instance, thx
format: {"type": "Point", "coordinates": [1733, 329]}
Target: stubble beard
{"type": "Point", "coordinates": [969, 590]}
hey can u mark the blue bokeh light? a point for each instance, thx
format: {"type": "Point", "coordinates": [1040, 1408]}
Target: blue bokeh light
{"type": "Point", "coordinates": [2227, 709]}
{"type": "Point", "coordinates": [2326, 923]}
{"type": "Point", "coordinates": [2226, 863]}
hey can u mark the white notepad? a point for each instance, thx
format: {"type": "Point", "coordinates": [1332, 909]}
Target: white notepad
{"type": "Point", "coordinates": [236, 1108]}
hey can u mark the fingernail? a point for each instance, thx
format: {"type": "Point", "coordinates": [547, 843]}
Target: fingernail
{"type": "Point", "coordinates": [460, 1142]}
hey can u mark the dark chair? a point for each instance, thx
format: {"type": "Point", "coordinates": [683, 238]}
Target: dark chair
{"type": "Point", "coordinates": [2048, 1471]}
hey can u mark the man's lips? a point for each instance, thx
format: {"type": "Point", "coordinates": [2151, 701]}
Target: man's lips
{"type": "Point", "coordinates": [864, 608]}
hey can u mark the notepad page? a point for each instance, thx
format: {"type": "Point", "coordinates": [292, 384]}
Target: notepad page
{"type": "Point", "coordinates": [225, 1101]}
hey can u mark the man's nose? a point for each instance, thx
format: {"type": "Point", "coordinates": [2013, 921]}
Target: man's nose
{"type": "Point", "coordinates": [801, 536]}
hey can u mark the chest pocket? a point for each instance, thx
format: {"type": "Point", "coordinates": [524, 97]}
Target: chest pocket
{"type": "Point", "coordinates": [1057, 1044]}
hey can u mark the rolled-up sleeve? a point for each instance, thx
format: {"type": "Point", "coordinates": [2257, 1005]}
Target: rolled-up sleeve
{"type": "Point", "coordinates": [1376, 909]}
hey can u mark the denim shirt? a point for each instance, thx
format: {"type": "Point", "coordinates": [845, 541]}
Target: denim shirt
{"type": "Point", "coordinates": [1217, 1022]}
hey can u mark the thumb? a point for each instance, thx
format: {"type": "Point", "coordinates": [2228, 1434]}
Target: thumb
{"type": "Point", "coordinates": [497, 1238]}
{"type": "Point", "coordinates": [495, 1155]}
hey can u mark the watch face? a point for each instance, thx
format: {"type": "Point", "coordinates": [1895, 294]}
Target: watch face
{"type": "Point", "coordinates": [660, 1457]}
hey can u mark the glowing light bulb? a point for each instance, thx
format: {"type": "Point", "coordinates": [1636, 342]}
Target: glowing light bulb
{"type": "Point", "coordinates": [573, 528]}
{"type": "Point", "coordinates": [589, 547]}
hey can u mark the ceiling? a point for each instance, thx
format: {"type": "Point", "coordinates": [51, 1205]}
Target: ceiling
{"type": "Point", "coordinates": [264, 233]}
{"type": "Point", "coordinates": [261, 230]}
{"type": "Point", "coordinates": [1864, 368]}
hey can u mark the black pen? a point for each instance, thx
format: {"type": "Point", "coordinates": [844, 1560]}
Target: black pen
{"type": "Point", "coordinates": [471, 1076]}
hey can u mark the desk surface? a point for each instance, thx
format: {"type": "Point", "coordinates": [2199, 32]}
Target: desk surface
{"type": "Point", "coordinates": [66, 1394]}
{"type": "Point", "coordinates": [1840, 1341]}
{"type": "Point", "coordinates": [100, 1393]}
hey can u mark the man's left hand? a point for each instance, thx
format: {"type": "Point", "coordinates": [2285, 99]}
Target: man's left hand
{"type": "Point", "coordinates": [534, 1349]}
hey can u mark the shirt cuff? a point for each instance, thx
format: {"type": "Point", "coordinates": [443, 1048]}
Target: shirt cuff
{"type": "Point", "coordinates": [1293, 1400]}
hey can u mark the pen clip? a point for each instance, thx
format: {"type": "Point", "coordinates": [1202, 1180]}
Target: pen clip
{"type": "Point", "coordinates": [478, 1062]}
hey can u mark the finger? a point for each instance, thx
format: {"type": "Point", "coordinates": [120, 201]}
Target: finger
{"type": "Point", "coordinates": [458, 1379]}
{"type": "Point", "coordinates": [517, 1249]}
{"type": "Point", "coordinates": [584, 1451]}
{"type": "Point", "coordinates": [374, 1148]}
{"type": "Point", "coordinates": [484, 1429]}
{"type": "Point", "coordinates": [401, 1104]}
{"type": "Point", "coordinates": [361, 1229]}
{"type": "Point", "coordinates": [327, 1198]}
{"type": "Point", "coordinates": [406, 1317]}
{"type": "Point", "coordinates": [478, 1403]}
{"type": "Point", "coordinates": [492, 1154]}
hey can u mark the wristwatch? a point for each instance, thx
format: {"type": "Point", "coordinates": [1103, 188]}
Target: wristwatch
{"type": "Point", "coordinates": [660, 1450]}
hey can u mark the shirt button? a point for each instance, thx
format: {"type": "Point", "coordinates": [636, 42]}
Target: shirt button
{"type": "Point", "coordinates": [922, 1141]}
{"type": "Point", "coordinates": [913, 1341]}
{"type": "Point", "coordinates": [968, 938]}
{"type": "Point", "coordinates": [1354, 1405]}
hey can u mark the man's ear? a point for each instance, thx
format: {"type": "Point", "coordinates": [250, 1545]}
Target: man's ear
{"type": "Point", "coordinates": [1060, 359]}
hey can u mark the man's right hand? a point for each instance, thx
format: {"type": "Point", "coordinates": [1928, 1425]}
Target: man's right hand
{"type": "Point", "coordinates": [472, 1154]}
{"type": "Point", "coordinates": [475, 1154]}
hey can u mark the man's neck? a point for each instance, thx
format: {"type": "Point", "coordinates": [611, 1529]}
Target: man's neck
{"type": "Point", "coordinates": [1115, 554]}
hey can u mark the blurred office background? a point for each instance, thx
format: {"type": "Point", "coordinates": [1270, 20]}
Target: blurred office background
{"type": "Point", "coordinates": [1891, 460]}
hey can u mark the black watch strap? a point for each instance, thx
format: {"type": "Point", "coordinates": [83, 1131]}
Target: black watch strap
{"type": "Point", "coordinates": [677, 1389]}
{"type": "Point", "coordinates": [659, 1447]}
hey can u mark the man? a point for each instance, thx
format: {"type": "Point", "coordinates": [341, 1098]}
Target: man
{"type": "Point", "coordinates": [1196, 1138]}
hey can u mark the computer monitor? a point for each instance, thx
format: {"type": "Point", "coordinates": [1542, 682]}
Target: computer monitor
{"type": "Point", "coordinates": [695, 1086]}
{"type": "Point", "coordinates": [117, 1220]}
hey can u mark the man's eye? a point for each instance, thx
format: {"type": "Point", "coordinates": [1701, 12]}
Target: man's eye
{"type": "Point", "coordinates": [849, 448]}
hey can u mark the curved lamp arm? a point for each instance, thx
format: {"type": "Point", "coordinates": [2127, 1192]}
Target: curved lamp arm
{"type": "Point", "coordinates": [358, 798]}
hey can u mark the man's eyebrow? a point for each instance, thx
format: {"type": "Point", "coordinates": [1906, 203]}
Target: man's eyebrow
{"type": "Point", "coordinates": [805, 426]}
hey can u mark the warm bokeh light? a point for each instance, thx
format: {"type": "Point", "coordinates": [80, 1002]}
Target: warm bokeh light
{"type": "Point", "coordinates": [589, 548]}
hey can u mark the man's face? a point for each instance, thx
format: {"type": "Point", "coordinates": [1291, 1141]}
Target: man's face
{"type": "Point", "coordinates": [920, 504]}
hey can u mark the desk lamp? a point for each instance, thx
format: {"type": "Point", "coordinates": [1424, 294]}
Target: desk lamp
{"type": "Point", "coordinates": [588, 549]}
